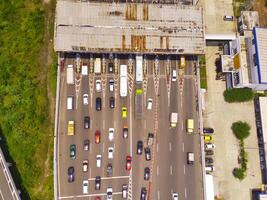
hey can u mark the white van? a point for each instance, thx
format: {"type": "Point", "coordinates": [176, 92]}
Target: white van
{"type": "Point", "coordinates": [149, 104]}
{"type": "Point", "coordinates": [98, 161]}
{"type": "Point", "coordinates": [70, 103]}
{"type": "Point", "coordinates": [228, 18]}
{"type": "Point", "coordinates": [124, 191]}
{"type": "Point", "coordinates": [84, 70]}
{"type": "Point", "coordinates": [85, 186]}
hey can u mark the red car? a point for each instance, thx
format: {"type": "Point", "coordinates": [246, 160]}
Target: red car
{"type": "Point", "coordinates": [97, 137]}
{"type": "Point", "coordinates": [128, 163]}
{"type": "Point", "coordinates": [97, 198]}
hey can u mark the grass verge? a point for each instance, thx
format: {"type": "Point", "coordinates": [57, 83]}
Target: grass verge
{"type": "Point", "coordinates": [203, 72]}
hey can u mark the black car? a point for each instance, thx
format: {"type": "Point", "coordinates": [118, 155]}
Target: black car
{"type": "Point", "coordinates": [209, 152]}
{"type": "Point", "coordinates": [146, 173]}
{"type": "Point", "coordinates": [86, 145]}
{"type": "Point", "coordinates": [109, 169]}
{"type": "Point", "coordinates": [208, 130]}
{"type": "Point", "coordinates": [139, 147]}
{"type": "Point", "coordinates": [111, 102]}
{"type": "Point", "coordinates": [209, 160]}
{"type": "Point", "coordinates": [86, 122]}
{"type": "Point", "coordinates": [147, 153]}
{"type": "Point", "coordinates": [110, 67]}
{"type": "Point", "coordinates": [70, 174]}
{"type": "Point", "coordinates": [143, 193]}
{"type": "Point", "coordinates": [97, 183]}
{"type": "Point", "coordinates": [98, 104]}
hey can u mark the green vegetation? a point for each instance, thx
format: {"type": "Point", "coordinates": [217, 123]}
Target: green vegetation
{"type": "Point", "coordinates": [241, 130]}
{"type": "Point", "coordinates": [238, 95]}
{"type": "Point", "coordinates": [26, 121]}
{"type": "Point", "coordinates": [239, 5]}
{"type": "Point", "coordinates": [203, 73]}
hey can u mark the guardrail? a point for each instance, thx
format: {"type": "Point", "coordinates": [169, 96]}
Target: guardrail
{"type": "Point", "coordinates": [11, 184]}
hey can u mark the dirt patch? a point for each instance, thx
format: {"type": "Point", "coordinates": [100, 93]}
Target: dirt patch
{"type": "Point", "coordinates": [259, 5]}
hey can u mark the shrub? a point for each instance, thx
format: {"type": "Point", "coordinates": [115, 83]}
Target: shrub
{"type": "Point", "coordinates": [238, 95]}
{"type": "Point", "coordinates": [241, 130]}
{"type": "Point", "coordinates": [239, 173]}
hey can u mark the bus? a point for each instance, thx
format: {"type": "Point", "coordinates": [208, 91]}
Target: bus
{"type": "Point", "coordinates": [123, 81]}
{"type": "Point", "coordinates": [139, 69]}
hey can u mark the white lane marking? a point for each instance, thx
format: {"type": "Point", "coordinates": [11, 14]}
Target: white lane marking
{"type": "Point", "coordinates": [185, 193]}
{"type": "Point", "coordinates": [183, 147]}
{"type": "Point", "coordinates": [171, 169]}
{"type": "Point", "coordinates": [89, 195]}
{"type": "Point", "coordinates": [157, 147]}
{"type": "Point", "coordinates": [158, 195]}
{"type": "Point", "coordinates": [90, 172]}
{"type": "Point", "coordinates": [157, 170]}
{"type": "Point", "coordinates": [112, 177]}
{"type": "Point", "coordinates": [103, 147]}
{"type": "Point", "coordinates": [182, 126]}
{"type": "Point", "coordinates": [145, 123]}
{"type": "Point", "coordinates": [103, 123]}
{"type": "Point", "coordinates": [170, 144]}
{"type": "Point", "coordinates": [184, 169]}
{"type": "Point", "coordinates": [171, 191]}
{"type": "Point", "coordinates": [2, 195]}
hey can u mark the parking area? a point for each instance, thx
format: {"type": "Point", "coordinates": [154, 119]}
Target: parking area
{"type": "Point", "coordinates": [227, 148]}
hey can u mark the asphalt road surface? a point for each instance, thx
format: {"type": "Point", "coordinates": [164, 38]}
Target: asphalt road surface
{"type": "Point", "coordinates": [169, 170]}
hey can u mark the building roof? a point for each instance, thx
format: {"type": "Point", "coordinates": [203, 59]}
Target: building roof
{"type": "Point", "coordinates": [249, 19]}
{"type": "Point", "coordinates": [260, 35]}
{"type": "Point", "coordinates": [126, 27]}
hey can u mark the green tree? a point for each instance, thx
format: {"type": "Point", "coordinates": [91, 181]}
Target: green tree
{"type": "Point", "coordinates": [241, 129]}
{"type": "Point", "coordinates": [238, 95]}
{"type": "Point", "coordinates": [239, 173]}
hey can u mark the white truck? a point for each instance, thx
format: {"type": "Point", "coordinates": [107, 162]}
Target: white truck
{"type": "Point", "coordinates": [190, 158]}
{"type": "Point", "coordinates": [70, 103]}
{"type": "Point", "coordinates": [70, 75]}
{"type": "Point", "coordinates": [97, 66]}
{"type": "Point", "coordinates": [174, 119]}
{"type": "Point", "coordinates": [139, 70]}
{"type": "Point", "coordinates": [209, 187]}
{"type": "Point", "coordinates": [123, 81]}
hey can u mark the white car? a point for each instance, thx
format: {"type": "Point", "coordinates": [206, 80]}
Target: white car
{"type": "Point", "coordinates": [209, 146]}
{"type": "Point", "coordinates": [111, 134]}
{"type": "Point", "coordinates": [110, 152]}
{"type": "Point", "coordinates": [85, 165]}
{"type": "Point", "coordinates": [85, 186]}
{"type": "Point", "coordinates": [174, 75]}
{"type": "Point", "coordinates": [98, 161]}
{"type": "Point", "coordinates": [174, 196]}
{"type": "Point", "coordinates": [111, 85]}
{"type": "Point", "coordinates": [109, 193]}
{"type": "Point", "coordinates": [98, 85]}
{"type": "Point", "coordinates": [85, 99]}
{"type": "Point", "coordinates": [149, 104]}
{"type": "Point", "coordinates": [209, 168]}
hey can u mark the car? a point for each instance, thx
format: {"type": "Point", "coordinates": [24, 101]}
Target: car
{"type": "Point", "coordinates": [149, 104]}
{"type": "Point", "coordinates": [190, 158]}
{"type": "Point", "coordinates": [111, 102]}
{"type": "Point", "coordinates": [85, 186]}
{"type": "Point", "coordinates": [209, 152]}
{"type": "Point", "coordinates": [72, 151]}
{"type": "Point", "coordinates": [110, 67]}
{"type": "Point", "coordinates": [210, 146]}
{"type": "Point", "coordinates": [146, 173]}
{"type": "Point", "coordinates": [208, 138]}
{"type": "Point", "coordinates": [98, 87]}
{"type": "Point", "coordinates": [143, 193]}
{"type": "Point", "coordinates": [85, 165]}
{"type": "Point", "coordinates": [147, 154]}
{"type": "Point", "coordinates": [98, 104]}
{"type": "Point", "coordinates": [109, 193]}
{"type": "Point", "coordinates": [70, 174]}
{"type": "Point", "coordinates": [86, 122]}
{"type": "Point", "coordinates": [174, 196]}
{"type": "Point", "coordinates": [209, 160]}
{"type": "Point", "coordinates": [209, 168]}
{"type": "Point", "coordinates": [124, 112]}
{"type": "Point", "coordinates": [124, 191]}
{"type": "Point", "coordinates": [86, 145]}
{"type": "Point", "coordinates": [98, 160]}
{"type": "Point", "coordinates": [208, 130]}
{"type": "Point", "coordinates": [139, 147]}
{"type": "Point", "coordinates": [97, 198]}
{"type": "Point", "coordinates": [125, 131]}
{"type": "Point", "coordinates": [109, 169]}
{"type": "Point", "coordinates": [111, 85]}
{"type": "Point", "coordinates": [110, 152]}
{"type": "Point", "coordinates": [128, 163]}
{"type": "Point", "coordinates": [150, 139]}
{"type": "Point", "coordinates": [97, 136]}
{"type": "Point", "coordinates": [111, 134]}
{"type": "Point", "coordinates": [174, 75]}
{"type": "Point", "coordinates": [85, 99]}
{"type": "Point", "coordinates": [97, 183]}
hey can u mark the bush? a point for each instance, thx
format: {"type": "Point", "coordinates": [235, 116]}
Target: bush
{"type": "Point", "coordinates": [241, 130]}
{"type": "Point", "coordinates": [238, 95]}
{"type": "Point", "coordinates": [239, 173]}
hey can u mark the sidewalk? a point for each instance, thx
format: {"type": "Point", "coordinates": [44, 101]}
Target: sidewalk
{"type": "Point", "coordinates": [220, 115]}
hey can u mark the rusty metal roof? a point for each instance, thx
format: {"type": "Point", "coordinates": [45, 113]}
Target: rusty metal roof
{"type": "Point", "coordinates": [128, 27]}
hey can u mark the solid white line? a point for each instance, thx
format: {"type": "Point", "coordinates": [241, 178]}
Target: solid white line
{"type": "Point", "coordinates": [170, 144]}
{"type": "Point", "coordinates": [88, 195]}
{"type": "Point", "coordinates": [182, 126]}
{"type": "Point", "coordinates": [158, 195]}
{"type": "Point", "coordinates": [185, 193]}
{"type": "Point", "coordinates": [157, 147]}
{"type": "Point", "coordinates": [2, 195]}
{"type": "Point", "coordinates": [145, 123]}
{"type": "Point", "coordinates": [112, 177]}
{"type": "Point", "coordinates": [157, 170]}
{"type": "Point", "coordinates": [171, 169]}
{"type": "Point", "coordinates": [184, 169]}
{"type": "Point", "coordinates": [90, 172]}
{"type": "Point", "coordinates": [183, 147]}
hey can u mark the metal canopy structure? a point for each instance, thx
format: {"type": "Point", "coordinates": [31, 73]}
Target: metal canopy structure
{"type": "Point", "coordinates": [128, 28]}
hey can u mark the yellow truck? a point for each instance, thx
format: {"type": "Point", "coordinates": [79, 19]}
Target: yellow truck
{"type": "Point", "coordinates": [190, 125]}
{"type": "Point", "coordinates": [70, 127]}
